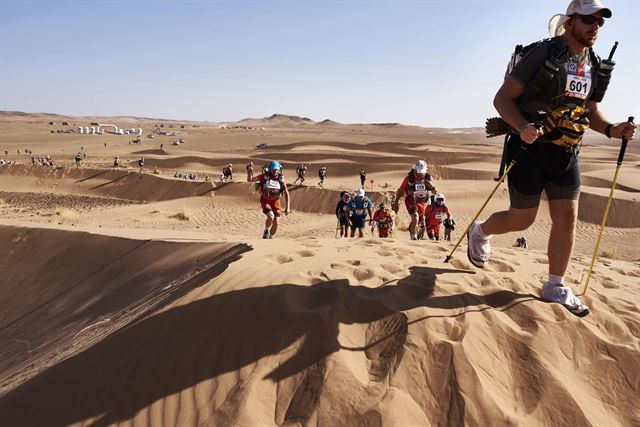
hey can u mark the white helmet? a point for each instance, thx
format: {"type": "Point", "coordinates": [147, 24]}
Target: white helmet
{"type": "Point", "coordinates": [439, 198]}
{"type": "Point", "coordinates": [360, 193]}
{"type": "Point", "coordinates": [421, 167]}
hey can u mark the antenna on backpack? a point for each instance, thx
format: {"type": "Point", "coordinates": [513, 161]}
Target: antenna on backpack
{"type": "Point", "coordinates": [613, 50]}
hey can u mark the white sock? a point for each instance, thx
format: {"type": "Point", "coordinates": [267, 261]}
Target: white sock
{"type": "Point", "coordinates": [556, 280]}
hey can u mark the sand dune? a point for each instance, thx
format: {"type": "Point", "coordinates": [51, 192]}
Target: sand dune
{"type": "Point", "coordinates": [139, 299]}
{"type": "Point", "coordinates": [122, 184]}
{"type": "Point", "coordinates": [409, 340]}
{"type": "Point", "coordinates": [80, 287]}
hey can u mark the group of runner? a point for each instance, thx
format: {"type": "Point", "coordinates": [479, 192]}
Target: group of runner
{"type": "Point", "coordinates": [42, 160]}
{"type": "Point", "coordinates": [424, 203]}
{"type": "Point", "coordinates": [301, 172]}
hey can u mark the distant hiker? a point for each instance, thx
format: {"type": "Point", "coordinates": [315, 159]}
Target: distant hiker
{"type": "Point", "coordinates": [383, 219]}
{"type": "Point", "coordinates": [116, 162]}
{"type": "Point", "coordinates": [363, 177]}
{"type": "Point", "coordinates": [342, 213]}
{"type": "Point", "coordinates": [559, 78]}
{"type": "Point", "coordinates": [249, 168]}
{"type": "Point", "coordinates": [271, 187]}
{"type": "Point", "coordinates": [78, 159]}
{"type": "Point", "coordinates": [227, 173]}
{"type": "Point", "coordinates": [434, 215]}
{"type": "Point", "coordinates": [322, 174]}
{"type": "Point", "coordinates": [415, 188]}
{"type": "Point", "coordinates": [449, 226]}
{"type": "Point", "coordinates": [6, 152]}
{"type": "Point", "coordinates": [302, 172]}
{"type": "Point", "coordinates": [162, 146]}
{"type": "Point", "coordinates": [141, 163]}
{"type": "Point", "coordinates": [359, 207]}
{"type": "Point", "coordinates": [521, 242]}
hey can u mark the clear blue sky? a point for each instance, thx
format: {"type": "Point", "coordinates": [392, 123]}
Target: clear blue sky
{"type": "Point", "coordinates": [431, 63]}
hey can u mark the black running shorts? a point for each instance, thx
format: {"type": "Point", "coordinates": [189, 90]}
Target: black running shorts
{"type": "Point", "coordinates": [543, 166]}
{"type": "Point", "coordinates": [357, 222]}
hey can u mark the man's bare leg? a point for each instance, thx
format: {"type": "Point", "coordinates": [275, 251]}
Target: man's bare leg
{"type": "Point", "coordinates": [274, 226]}
{"type": "Point", "coordinates": [510, 220]}
{"type": "Point", "coordinates": [564, 214]}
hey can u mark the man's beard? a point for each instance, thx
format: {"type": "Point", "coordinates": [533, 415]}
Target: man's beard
{"type": "Point", "coordinates": [581, 38]}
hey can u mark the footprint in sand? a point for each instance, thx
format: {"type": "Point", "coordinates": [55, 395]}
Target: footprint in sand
{"type": "Point", "coordinates": [462, 265]}
{"type": "Point", "coordinates": [354, 262]}
{"type": "Point", "coordinates": [283, 259]}
{"type": "Point", "coordinates": [306, 253]}
{"type": "Point", "coordinates": [610, 284]}
{"type": "Point", "coordinates": [384, 340]}
{"type": "Point", "coordinates": [393, 268]}
{"type": "Point", "coordinates": [632, 273]}
{"type": "Point", "coordinates": [541, 261]}
{"type": "Point", "coordinates": [384, 253]}
{"type": "Point", "coordinates": [402, 251]}
{"type": "Point", "coordinates": [501, 266]}
{"type": "Point", "coordinates": [363, 274]}
{"type": "Point", "coordinates": [305, 399]}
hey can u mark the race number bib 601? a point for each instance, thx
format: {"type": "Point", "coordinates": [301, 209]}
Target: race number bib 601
{"type": "Point", "coordinates": [577, 87]}
{"type": "Point", "coordinates": [578, 80]}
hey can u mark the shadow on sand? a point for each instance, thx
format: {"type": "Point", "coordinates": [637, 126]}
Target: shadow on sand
{"type": "Point", "coordinates": [176, 349]}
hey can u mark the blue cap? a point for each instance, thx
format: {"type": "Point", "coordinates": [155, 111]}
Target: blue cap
{"type": "Point", "coordinates": [274, 164]}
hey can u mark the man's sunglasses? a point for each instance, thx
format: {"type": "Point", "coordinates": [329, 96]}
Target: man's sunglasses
{"type": "Point", "coordinates": [590, 20]}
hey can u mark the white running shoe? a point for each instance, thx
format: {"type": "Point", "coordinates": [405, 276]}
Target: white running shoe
{"type": "Point", "coordinates": [478, 248]}
{"type": "Point", "coordinates": [555, 292]}
{"type": "Point", "coordinates": [266, 234]}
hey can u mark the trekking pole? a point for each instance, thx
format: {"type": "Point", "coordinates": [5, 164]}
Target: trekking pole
{"type": "Point", "coordinates": [523, 148]}
{"type": "Point", "coordinates": [338, 229]}
{"type": "Point", "coordinates": [623, 148]}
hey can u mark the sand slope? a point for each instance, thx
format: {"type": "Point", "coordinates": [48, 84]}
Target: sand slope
{"type": "Point", "coordinates": [63, 290]}
{"type": "Point", "coordinates": [386, 335]}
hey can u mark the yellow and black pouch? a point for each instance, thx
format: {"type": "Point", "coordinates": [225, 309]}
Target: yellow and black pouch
{"type": "Point", "coordinates": [565, 126]}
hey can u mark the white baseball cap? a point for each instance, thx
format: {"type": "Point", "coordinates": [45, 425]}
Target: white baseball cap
{"type": "Point", "coordinates": [360, 193]}
{"type": "Point", "coordinates": [421, 167]}
{"type": "Point", "coordinates": [580, 7]}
